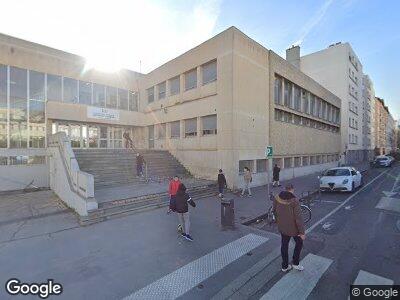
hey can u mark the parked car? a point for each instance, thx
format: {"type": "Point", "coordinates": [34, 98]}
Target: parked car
{"type": "Point", "coordinates": [343, 179]}
{"type": "Point", "coordinates": [383, 161]}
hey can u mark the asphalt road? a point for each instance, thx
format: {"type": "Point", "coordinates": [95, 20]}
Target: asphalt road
{"type": "Point", "coordinates": [350, 231]}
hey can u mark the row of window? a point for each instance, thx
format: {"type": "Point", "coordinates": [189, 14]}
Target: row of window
{"type": "Point", "coordinates": [291, 118]}
{"type": "Point", "coordinates": [353, 92]}
{"type": "Point", "coordinates": [208, 126]}
{"type": "Point", "coordinates": [353, 107]}
{"type": "Point", "coordinates": [353, 60]}
{"type": "Point", "coordinates": [208, 74]}
{"type": "Point", "coordinates": [291, 95]}
{"type": "Point", "coordinates": [51, 87]}
{"type": "Point", "coordinates": [22, 160]}
{"type": "Point", "coordinates": [353, 123]}
{"type": "Point", "coordinates": [353, 139]}
{"type": "Point", "coordinates": [353, 76]}
{"type": "Point", "coordinates": [260, 165]}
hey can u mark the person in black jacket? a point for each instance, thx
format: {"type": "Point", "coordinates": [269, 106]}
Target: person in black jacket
{"type": "Point", "coordinates": [182, 209]}
{"type": "Point", "coordinates": [275, 175]}
{"type": "Point", "coordinates": [221, 183]}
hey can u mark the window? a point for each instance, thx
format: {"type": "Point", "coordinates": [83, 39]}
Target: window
{"type": "Point", "coordinates": [133, 101]}
{"type": "Point", "coordinates": [36, 160]}
{"type": "Point", "coordinates": [288, 94]}
{"type": "Point", "coordinates": [161, 130]}
{"type": "Point", "coordinates": [85, 92]}
{"type": "Point", "coordinates": [19, 160]}
{"type": "Point", "coordinates": [329, 113]}
{"type": "Point", "coordinates": [296, 119]}
{"type": "Point", "coordinates": [99, 96]}
{"type": "Point", "coordinates": [3, 160]}
{"type": "Point", "coordinates": [70, 91]}
{"type": "Point", "coordinates": [313, 160]}
{"type": "Point", "coordinates": [175, 129]}
{"type": "Point", "coordinates": [3, 107]}
{"type": "Point", "coordinates": [287, 162]}
{"type": "Point", "coordinates": [191, 79]}
{"type": "Point", "coordinates": [278, 115]}
{"type": "Point", "coordinates": [191, 127]}
{"type": "Point", "coordinates": [150, 94]}
{"type": "Point", "coordinates": [18, 108]}
{"type": "Point", "coordinates": [174, 86]}
{"type": "Point", "coordinates": [54, 88]}
{"type": "Point", "coordinates": [278, 90]}
{"type": "Point", "coordinates": [306, 160]}
{"type": "Point", "coordinates": [304, 96]}
{"type": "Point", "coordinates": [161, 90]}
{"type": "Point", "coordinates": [261, 165]}
{"type": "Point", "coordinates": [277, 161]}
{"type": "Point", "coordinates": [209, 124]}
{"type": "Point", "coordinates": [37, 124]}
{"type": "Point", "coordinates": [36, 86]}
{"type": "Point", "coordinates": [246, 163]}
{"type": "Point", "coordinates": [324, 104]}
{"type": "Point", "coordinates": [297, 162]}
{"type": "Point", "coordinates": [123, 102]}
{"type": "Point", "coordinates": [209, 71]}
{"type": "Point", "coordinates": [318, 112]}
{"type": "Point", "coordinates": [297, 98]}
{"type": "Point", "coordinates": [287, 117]}
{"type": "Point", "coordinates": [111, 97]}
{"type": "Point", "coordinates": [312, 104]}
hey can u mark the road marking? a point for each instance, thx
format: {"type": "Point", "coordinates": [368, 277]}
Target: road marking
{"type": "Point", "coordinates": [389, 204]}
{"type": "Point", "coordinates": [330, 201]}
{"type": "Point", "coordinates": [365, 278]}
{"type": "Point", "coordinates": [189, 276]}
{"type": "Point", "coordinates": [296, 284]}
{"type": "Point", "coordinates": [344, 203]}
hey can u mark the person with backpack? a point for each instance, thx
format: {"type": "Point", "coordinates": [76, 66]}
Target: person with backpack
{"type": "Point", "coordinates": [221, 183]}
{"type": "Point", "coordinates": [275, 176]}
{"type": "Point", "coordinates": [247, 180]}
{"type": "Point", "coordinates": [290, 222]}
{"type": "Point", "coordinates": [172, 191]}
{"type": "Point", "coordinates": [182, 209]}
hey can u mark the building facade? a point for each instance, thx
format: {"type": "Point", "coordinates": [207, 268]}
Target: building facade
{"type": "Point", "coordinates": [381, 122]}
{"type": "Point", "coordinates": [339, 70]}
{"type": "Point", "coordinates": [216, 106]}
{"type": "Point", "coordinates": [368, 96]}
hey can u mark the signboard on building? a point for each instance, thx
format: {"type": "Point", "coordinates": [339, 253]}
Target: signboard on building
{"type": "Point", "coordinates": [269, 152]}
{"type": "Point", "coordinates": [102, 113]}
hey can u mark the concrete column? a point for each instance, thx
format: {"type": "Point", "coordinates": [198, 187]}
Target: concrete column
{"type": "Point", "coordinates": [199, 129]}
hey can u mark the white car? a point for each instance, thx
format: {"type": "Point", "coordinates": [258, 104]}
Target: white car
{"type": "Point", "coordinates": [345, 179]}
{"type": "Point", "coordinates": [384, 161]}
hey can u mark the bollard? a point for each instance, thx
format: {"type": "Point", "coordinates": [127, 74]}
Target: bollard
{"type": "Point", "coordinates": [227, 213]}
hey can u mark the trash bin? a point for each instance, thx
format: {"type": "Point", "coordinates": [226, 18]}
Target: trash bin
{"type": "Point", "coordinates": [227, 213]}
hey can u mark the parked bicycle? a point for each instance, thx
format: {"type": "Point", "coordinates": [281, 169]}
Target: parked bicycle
{"type": "Point", "coordinates": [305, 206]}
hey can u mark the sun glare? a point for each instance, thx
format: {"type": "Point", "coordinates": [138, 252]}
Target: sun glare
{"type": "Point", "coordinates": [103, 64]}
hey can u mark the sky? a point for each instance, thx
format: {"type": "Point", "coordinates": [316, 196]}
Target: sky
{"type": "Point", "coordinates": [141, 35]}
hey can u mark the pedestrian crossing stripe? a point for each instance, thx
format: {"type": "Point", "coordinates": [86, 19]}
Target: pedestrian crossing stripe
{"type": "Point", "coordinates": [389, 204]}
{"type": "Point", "coordinates": [365, 278]}
{"type": "Point", "coordinates": [299, 284]}
{"type": "Point", "coordinates": [189, 276]}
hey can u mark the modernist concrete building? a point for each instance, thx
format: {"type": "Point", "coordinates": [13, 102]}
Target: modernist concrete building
{"type": "Point", "coordinates": [340, 71]}
{"type": "Point", "coordinates": [216, 106]}
{"type": "Point", "coordinates": [368, 109]}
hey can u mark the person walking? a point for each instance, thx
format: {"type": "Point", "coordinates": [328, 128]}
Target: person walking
{"type": "Point", "coordinates": [275, 176]}
{"type": "Point", "coordinates": [182, 209]}
{"type": "Point", "coordinates": [287, 210]}
{"type": "Point", "coordinates": [172, 191]}
{"type": "Point", "coordinates": [139, 164]}
{"type": "Point", "coordinates": [221, 183]}
{"type": "Point", "coordinates": [128, 140]}
{"type": "Point", "coordinates": [247, 180]}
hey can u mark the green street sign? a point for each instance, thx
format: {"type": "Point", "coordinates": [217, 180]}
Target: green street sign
{"type": "Point", "coordinates": [269, 151]}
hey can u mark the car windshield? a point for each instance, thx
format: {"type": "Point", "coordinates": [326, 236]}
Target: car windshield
{"type": "Point", "coordinates": [337, 172]}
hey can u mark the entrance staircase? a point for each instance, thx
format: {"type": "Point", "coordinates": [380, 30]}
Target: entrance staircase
{"type": "Point", "coordinates": [113, 167]}
{"type": "Point", "coordinates": [118, 188]}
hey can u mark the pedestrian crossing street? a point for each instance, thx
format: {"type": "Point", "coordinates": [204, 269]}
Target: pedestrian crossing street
{"type": "Point", "coordinates": [293, 285]}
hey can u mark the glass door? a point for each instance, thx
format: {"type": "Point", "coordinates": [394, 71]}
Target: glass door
{"type": "Point", "coordinates": [103, 136]}
{"type": "Point", "coordinates": [116, 137]}
{"type": "Point", "coordinates": [75, 135]}
{"type": "Point", "coordinates": [93, 136]}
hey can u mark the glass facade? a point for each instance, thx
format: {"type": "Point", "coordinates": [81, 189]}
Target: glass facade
{"type": "Point", "coordinates": [18, 108]}
{"type": "Point", "coordinates": [3, 106]}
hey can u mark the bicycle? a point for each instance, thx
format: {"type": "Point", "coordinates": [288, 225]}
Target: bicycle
{"type": "Point", "coordinates": [304, 207]}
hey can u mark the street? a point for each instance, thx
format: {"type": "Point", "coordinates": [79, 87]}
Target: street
{"type": "Point", "coordinates": [140, 256]}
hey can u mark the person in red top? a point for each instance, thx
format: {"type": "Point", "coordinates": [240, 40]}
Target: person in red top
{"type": "Point", "coordinates": [172, 190]}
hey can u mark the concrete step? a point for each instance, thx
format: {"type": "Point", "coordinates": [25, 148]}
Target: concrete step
{"type": "Point", "coordinates": [123, 207]}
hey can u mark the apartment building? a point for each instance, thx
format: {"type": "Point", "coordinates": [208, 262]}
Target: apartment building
{"type": "Point", "coordinates": [339, 70]}
{"type": "Point", "coordinates": [390, 134]}
{"type": "Point", "coordinates": [368, 101]}
{"type": "Point", "coordinates": [216, 106]}
{"type": "Point", "coordinates": [381, 122]}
